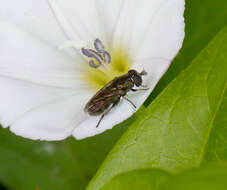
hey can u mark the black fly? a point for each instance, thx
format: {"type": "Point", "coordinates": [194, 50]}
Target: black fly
{"type": "Point", "coordinates": [109, 96]}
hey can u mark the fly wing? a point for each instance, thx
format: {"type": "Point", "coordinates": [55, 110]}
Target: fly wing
{"type": "Point", "coordinates": [109, 94]}
{"type": "Point", "coordinates": [102, 101]}
{"type": "Point", "coordinates": [110, 87]}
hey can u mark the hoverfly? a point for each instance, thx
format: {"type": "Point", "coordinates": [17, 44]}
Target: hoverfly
{"type": "Point", "coordinates": [109, 96]}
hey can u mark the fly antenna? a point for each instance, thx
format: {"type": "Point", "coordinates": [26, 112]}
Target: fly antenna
{"type": "Point", "coordinates": [143, 72]}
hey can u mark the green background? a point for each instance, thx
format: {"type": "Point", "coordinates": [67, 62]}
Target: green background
{"type": "Point", "coordinates": [71, 164]}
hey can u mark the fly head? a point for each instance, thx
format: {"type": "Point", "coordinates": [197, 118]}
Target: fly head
{"type": "Point", "coordinates": [136, 77]}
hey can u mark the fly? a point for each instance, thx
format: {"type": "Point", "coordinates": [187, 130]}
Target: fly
{"type": "Point", "coordinates": [109, 96]}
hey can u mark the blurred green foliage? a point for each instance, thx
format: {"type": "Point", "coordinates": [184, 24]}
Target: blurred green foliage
{"type": "Point", "coordinates": [70, 164]}
{"type": "Point", "coordinates": [27, 164]}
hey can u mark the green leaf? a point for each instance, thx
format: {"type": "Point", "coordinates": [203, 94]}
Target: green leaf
{"type": "Point", "coordinates": [184, 127]}
{"type": "Point", "coordinates": [26, 164]}
{"type": "Point", "coordinates": [137, 179]}
{"type": "Point", "coordinates": [212, 177]}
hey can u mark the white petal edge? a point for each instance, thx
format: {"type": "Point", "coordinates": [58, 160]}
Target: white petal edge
{"type": "Point", "coordinates": [152, 28]}
{"type": "Point", "coordinates": [52, 121]}
{"type": "Point", "coordinates": [18, 97]}
{"type": "Point", "coordinates": [166, 33]}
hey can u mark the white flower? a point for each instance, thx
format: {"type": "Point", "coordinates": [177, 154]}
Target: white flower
{"type": "Point", "coordinates": [44, 88]}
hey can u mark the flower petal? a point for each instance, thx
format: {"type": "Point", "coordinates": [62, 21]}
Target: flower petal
{"type": "Point", "coordinates": [40, 112]}
{"type": "Point", "coordinates": [165, 35]}
{"type": "Point", "coordinates": [18, 97]}
{"type": "Point", "coordinates": [35, 17]}
{"type": "Point", "coordinates": [91, 19]}
{"type": "Point", "coordinates": [124, 109]}
{"type": "Point", "coordinates": [151, 28]}
{"type": "Point", "coordinates": [118, 114]}
{"type": "Point", "coordinates": [53, 121]}
{"type": "Point", "coordinates": [27, 58]}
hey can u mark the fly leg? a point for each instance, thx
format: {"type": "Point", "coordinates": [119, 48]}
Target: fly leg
{"type": "Point", "coordinates": [107, 111]}
{"type": "Point", "coordinates": [129, 101]}
{"type": "Point", "coordinates": [134, 90]}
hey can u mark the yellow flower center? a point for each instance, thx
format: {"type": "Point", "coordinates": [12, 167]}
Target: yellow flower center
{"type": "Point", "coordinates": [99, 77]}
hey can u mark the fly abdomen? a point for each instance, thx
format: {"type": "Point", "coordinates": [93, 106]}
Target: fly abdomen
{"type": "Point", "coordinates": [97, 108]}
